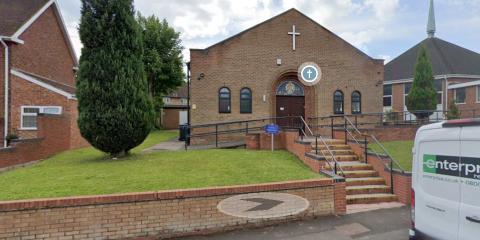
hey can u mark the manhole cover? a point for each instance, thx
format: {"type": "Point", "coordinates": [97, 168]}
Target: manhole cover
{"type": "Point", "coordinates": [263, 205]}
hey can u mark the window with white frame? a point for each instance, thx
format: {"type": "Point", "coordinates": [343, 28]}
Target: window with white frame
{"type": "Point", "coordinates": [478, 94]}
{"type": "Point", "coordinates": [29, 115]}
{"type": "Point", "coordinates": [460, 95]}
{"type": "Point", "coordinates": [387, 95]}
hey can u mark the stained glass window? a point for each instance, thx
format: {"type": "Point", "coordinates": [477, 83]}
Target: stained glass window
{"type": "Point", "coordinates": [290, 88]}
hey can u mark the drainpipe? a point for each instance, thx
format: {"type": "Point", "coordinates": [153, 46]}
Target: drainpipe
{"type": "Point", "coordinates": [5, 127]}
{"type": "Point", "coordinates": [446, 92]}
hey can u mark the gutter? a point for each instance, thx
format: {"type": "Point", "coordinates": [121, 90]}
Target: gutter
{"type": "Point", "coordinates": [5, 127]}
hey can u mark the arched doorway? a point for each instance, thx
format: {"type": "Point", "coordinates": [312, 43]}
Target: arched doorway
{"type": "Point", "coordinates": [290, 103]}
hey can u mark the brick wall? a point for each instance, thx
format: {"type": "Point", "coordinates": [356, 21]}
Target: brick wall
{"type": "Point", "coordinates": [385, 133]}
{"type": "Point", "coordinates": [171, 118]}
{"type": "Point", "coordinates": [45, 51]}
{"type": "Point", "coordinates": [402, 182]}
{"type": "Point", "coordinates": [161, 214]}
{"type": "Point", "coordinates": [471, 108]}
{"type": "Point", "coordinates": [249, 60]}
{"type": "Point", "coordinates": [25, 93]}
{"type": "Point", "coordinates": [289, 140]}
{"type": "Point", "coordinates": [76, 139]}
{"type": "Point", "coordinates": [46, 144]}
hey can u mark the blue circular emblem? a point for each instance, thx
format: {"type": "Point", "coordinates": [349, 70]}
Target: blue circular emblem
{"type": "Point", "coordinates": [309, 73]}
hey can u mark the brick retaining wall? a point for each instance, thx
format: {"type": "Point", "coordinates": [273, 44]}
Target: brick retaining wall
{"type": "Point", "coordinates": [386, 133]}
{"type": "Point", "coordinates": [161, 214]}
{"type": "Point", "coordinates": [53, 137]}
{"type": "Point", "coordinates": [402, 182]}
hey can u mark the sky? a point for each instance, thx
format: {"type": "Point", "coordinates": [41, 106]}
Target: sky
{"type": "Point", "coordinates": [381, 28]}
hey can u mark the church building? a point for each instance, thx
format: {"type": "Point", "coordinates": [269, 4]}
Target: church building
{"type": "Point", "coordinates": [456, 71]}
{"type": "Point", "coordinates": [288, 65]}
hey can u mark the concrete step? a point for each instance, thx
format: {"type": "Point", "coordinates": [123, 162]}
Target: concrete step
{"type": "Point", "coordinates": [343, 158]}
{"type": "Point", "coordinates": [354, 165]}
{"type": "Point", "coordinates": [360, 173]}
{"type": "Point", "coordinates": [331, 147]}
{"type": "Point", "coordinates": [367, 189]}
{"type": "Point", "coordinates": [364, 181]}
{"type": "Point", "coordinates": [337, 152]}
{"type": "Point", "coordinates": [370, 198]}
{"type": "Point", "coordinates": [328, 141]}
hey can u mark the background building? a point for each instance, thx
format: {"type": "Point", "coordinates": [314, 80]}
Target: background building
{"type": "Point", "coordinates": [174, 111]}
{"type": "Point", "coordinates": [454, 67]}
{"type": "Point", "coordinates": [38, 71]}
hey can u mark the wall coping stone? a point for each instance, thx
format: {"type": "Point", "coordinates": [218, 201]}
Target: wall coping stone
{"type": "Point", "coordinates": [396, 171]}
{"type": "Point", "coordinates": [34, 204]}
{"type": "Point", "coordinates": [314, 156]}
{"type": "Point", "coordinates": [27, 140]}
{"type": "Point", "coordinates": [302, 142]}
{"type": "Point", "coordinates": [336, 178]}
{"type": "Point", "coordinates": [7, 149]}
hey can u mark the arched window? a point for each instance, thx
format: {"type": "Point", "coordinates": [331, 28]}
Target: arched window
{"type": "Point", "coordinates": [290, 88]}
{"type": "Point", "coordinates": [338, 102]}
{"type": "Point", "coordinates": [224, 100]}
{"type": "Point", "coordinates": [356, 102]}
{"type": "Point", "coordinates": [245, 100]}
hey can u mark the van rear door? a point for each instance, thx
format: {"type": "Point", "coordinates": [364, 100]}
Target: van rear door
{"type": "Point", "coordinates": [470, 184]}
{"type": "Point", "coordinates": [437, 190]}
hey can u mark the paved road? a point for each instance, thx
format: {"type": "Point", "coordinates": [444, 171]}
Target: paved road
{"type": "Point", "coordinates": [391, 224]}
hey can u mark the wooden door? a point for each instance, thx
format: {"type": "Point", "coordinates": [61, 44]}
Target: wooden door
{"type": "Point", "coordinates": [290, 107]}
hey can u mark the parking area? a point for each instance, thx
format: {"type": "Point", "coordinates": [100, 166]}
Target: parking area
{"type": "Point", "coordinates": [380, 224]}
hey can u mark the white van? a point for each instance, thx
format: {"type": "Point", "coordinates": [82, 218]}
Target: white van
{"type": "Point", "coordinates": [446, 181]}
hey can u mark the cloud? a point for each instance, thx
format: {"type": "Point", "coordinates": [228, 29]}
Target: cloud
{"type": "Point", "coordinates": [363, 23]}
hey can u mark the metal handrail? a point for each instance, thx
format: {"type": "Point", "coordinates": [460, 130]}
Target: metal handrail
{"type": "Point", "coordinates": [379, 144]}
{"type": "Point", "coordinates": [336, 166]}
{"type": "Point", "coordinates": [392, 160]}
{"type": "Point", "coordinates": [388, 155]}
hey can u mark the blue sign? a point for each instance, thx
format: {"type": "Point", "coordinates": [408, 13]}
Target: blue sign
{"type": "Point", "coordinates": [272, 128]}
{"type": "Point", "coordinates": [309, 73]}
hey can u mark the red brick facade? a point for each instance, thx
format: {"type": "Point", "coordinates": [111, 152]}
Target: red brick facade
{"type": "Point", "coordinates": [162, 214]}
{"type": "Point", "coordinates": [45, 52]}
{"type": "Point", "coordinates": [471, 107]}
{"type": "Point", "coordinates": [45, 144]}
{"type": "Point", "coordinates": [249, 59]}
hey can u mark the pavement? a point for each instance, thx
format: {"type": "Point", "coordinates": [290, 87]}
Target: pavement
{"type": "Point", "coordinates": [391, 224]}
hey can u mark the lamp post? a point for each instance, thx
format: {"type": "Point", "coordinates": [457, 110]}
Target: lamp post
{"type": "Point", "coordinates": [188, 93]}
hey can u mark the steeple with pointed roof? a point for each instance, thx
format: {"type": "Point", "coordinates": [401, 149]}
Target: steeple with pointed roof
{"type": "Point", "coordinates": [431, 21]}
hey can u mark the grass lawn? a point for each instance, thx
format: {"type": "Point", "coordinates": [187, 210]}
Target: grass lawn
{"type": "Point", "coordinates": [88, 171]}
{"type": "Point", "coordinates": [400, 150]}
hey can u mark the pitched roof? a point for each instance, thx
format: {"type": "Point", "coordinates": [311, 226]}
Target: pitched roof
{"type": "Point", "coordinates": [278, 16]}
{"type": "Point", "coordinates": [50, 82]}
{"type": "Point", "coordinates": [446, 58]}
{"type": "Point", "coordinates": [15, 13]}
{"type": "Point", "coordinates": [180, 92]}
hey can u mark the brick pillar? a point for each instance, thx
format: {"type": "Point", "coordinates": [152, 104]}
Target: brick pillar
{"type": "Point", "coordinates": [340, 198]}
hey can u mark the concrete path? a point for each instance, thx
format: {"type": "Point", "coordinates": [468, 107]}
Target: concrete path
{"type": "Point", "coordinates": [391, 224]}
{"type": "Point", "coordinates": [170, 145]}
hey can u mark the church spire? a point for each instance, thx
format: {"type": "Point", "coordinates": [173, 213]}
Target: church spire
{"type": "Point", "coordinates": [431, 21]}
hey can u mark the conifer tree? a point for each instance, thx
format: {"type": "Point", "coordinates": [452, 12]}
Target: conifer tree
{"type": "Point", "coordinates": [115, 110]}
{"type": "Point", "coordinates": [423, 96]}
